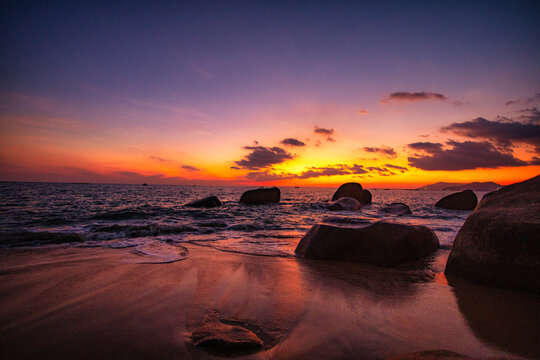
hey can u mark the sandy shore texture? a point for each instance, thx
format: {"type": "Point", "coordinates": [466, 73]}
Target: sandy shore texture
{"type": "Point", "coordinates": [94, 303]}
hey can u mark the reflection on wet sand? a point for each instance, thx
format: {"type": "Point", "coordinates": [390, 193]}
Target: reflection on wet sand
{"type": "Point", "coordinates": [506, 319]}
{"type": "Point", "coordinates": [90, 303]}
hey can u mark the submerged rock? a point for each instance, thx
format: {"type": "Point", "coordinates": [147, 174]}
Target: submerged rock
{"type": "Point", "coordinates": [344, 203]}
{"type": "Point", "coordinates": [464, 200]}
{"type": "Point", "coordinates": [499, 242]}
{"type": "Point", "coordinates": [207, 202]}
{"type": "Point", "coordinates": [380, 243]}
{"type": "Point", "coordinates": [215, 334]}
{"type": "Point", "coordinates": [261, 196]}
{"type": "Point", "coordinates": [396, 209]}
{"type": "Point", "coordinates": [355, 191]}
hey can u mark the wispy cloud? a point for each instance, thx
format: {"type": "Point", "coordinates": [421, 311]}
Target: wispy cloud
{"type": "Point", "coordinates": [414, 96]}
{"type": "Point", "coordinates": [160, 159]}
{"type": "Point", "coordinates": [384, 150]}
{"type": "Point", "coordinates": [524, 101]}
{"type": "Point", "coordinates": [190, 168]}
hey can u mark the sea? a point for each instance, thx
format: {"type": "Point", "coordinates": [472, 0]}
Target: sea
{"type": "Point", "coordinates": [154, 223]}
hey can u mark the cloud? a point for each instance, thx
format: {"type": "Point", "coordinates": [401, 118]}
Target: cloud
{"type": "Point", "coordinates": [534, 161]}
{"type": "Point", "coordinates": [403, 169]}
{"type": "Point", "coordinates": [384, 150]}
{"type": "Point", "coordinates": [362, 112]}
{"type": "Point", "coordinates": [312, 172]}
{"type": "Point", "coordinates": [157, 158]}
{"type": "Point", "coordinates": [323, 131]}
{"type": "Point", "coordinates": [414, 96]}
{"type": "Point", "coordinates": [461, 156]}
{"type": "Point", "coordinates": [426, 146]}
{"type": "Point", "coordinates": [262, 157]}
{"type": "Point", "coordinates": [524, 101]}
{"type": "Point", "coordinates": [503, 131]}
{"type": "Point", "coordinates": [235, 168]}
{"type": "Point", "coordinates": [190, 168]}
{"type": "Point", "coordinates": [292, 142]}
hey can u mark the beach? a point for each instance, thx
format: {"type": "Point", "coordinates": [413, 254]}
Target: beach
{"type": "Point", "coordinates": [72, 302]}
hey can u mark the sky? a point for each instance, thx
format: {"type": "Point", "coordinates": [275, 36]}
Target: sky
{"type": "Point", "coordinates": [388, 94]}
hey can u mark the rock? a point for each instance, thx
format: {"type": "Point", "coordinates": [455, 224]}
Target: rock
{"type": "Point", "coordinates": [207, 202]}
{"type": "Point", "coordinates": [432, 355]}
{"type": "Point", "coordinates": [261, 196]}
{"type": "Point", "coordinates": [344, 203]}
{"type": "Point", "coordinates": [396, 209]}
{"type": "Point", "coordinates": [215, 334]}
{"type": "Point", "coordinates": [381, 243]}
{"type": "Point", "coordinates": [353, 190]}
{"type": "Point", "coordinates": [464, 200]}
{"type": "Point", "coordinates": [145, 184]}
{"type": "Point", "coordinates": [499, 243]}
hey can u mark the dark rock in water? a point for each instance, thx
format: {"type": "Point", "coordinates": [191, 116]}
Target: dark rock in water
{"type": "Point", "coordinates": [464, 200]}
{"type": "Point", "coordinates": [396, 209]}
{"type": "Point", "coordinates": [353, 190]}
{"type": "Point", "coordinates": [344, 203]}
{"type": "Point", "coordinates": [499, 242]}
{"type": "Point", "coordinates": [261, 196]}
{"type": "Point", "coordinates": [432, 355]}
{"type": "Point", "coordinates": [207, 202]}
{"type": "Point", "coordinates": [145, 184]}
{"type": "Point", "coordinates": [215, 334]}
{"type": "Point", "coordinates": [380, 243]}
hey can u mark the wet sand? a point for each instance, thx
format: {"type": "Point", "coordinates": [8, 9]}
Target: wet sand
{"type": "Point", "coordinates": [95, 303]}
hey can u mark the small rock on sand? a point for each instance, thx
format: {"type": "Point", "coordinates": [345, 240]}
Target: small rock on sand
{"type": "Point", "coordinates": [217, 335]}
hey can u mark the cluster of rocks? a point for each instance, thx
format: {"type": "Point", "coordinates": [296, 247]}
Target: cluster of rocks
{"type": "Point", "coordinates": [498, 244]}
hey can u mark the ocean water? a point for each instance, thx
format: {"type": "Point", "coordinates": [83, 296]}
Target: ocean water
{"type": "Point", "coordinates": [154, 223]}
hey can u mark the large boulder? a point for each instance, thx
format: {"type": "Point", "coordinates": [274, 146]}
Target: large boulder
{"type": "Point", "coordinates": [464, 200]}
{"type": "Point", "coordinates": [261, 196]}
{"type": "Point", "coordinates": [396, 209]}
{"type": "Point", "coordinates": [207, 202]}
{"type": "Point", "coordinates": [380, 243]}
{"type": "Point", "coordinates": [353, 190]}
{"type": "Point", "coordinates": [344, 203]}
{"type": "Point", "coordinates": [499, 243]}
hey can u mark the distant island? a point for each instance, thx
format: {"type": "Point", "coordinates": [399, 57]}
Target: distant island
{"type": "Point", "coordinates": [475, 186]}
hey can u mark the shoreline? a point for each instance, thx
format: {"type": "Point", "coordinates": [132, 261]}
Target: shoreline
{"type": "Point", "coordinates": [92, 303]}
{"type": "Point", "coordinates": [67, 302]}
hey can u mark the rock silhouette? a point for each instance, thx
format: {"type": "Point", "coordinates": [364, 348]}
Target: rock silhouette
{"type": "Point", "coordinates": [464, 200]}
{"type": "Point", "coordinates": [381, 243]}
{"type": "Point", "coordinates": [207, 202]}
{"type": "Point", "coordinates": [261, 196]}
{"type": "Point", "coordinates": [355, 191]}
{"type": "Point", "coordinates": [498, 243]}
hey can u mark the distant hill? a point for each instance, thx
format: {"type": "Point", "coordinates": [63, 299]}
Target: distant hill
{"type": "Point", "coordinates": [475, 186]}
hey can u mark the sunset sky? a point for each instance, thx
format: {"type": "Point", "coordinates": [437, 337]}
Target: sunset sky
{"type": "Point", "coordinates": [270, 93]}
